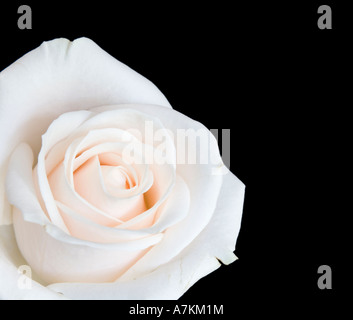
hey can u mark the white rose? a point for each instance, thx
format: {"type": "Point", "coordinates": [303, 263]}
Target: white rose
{"type": "Point", "coordinates": [93, 195]}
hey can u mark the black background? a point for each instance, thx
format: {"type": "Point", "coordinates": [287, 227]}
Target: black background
{"type": "Point", "coordinates": [282, 86]}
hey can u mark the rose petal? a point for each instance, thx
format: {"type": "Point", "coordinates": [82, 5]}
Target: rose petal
{"type": "Point", "coordinates": [172, 211]}
{"type": "Point", "coordinates": [205, 189]}
{"type": "Point", "coordinates": [140, 172]}
{"type": "Point", "coordinates": [21, 192]}
{"type": "Point", "coordinates": [88, 182]}
{"type": "Point", "coordinates": [134, 122]}
{"type": "Point", "coordinates": [19, 185]}
{"type": "Point", "coordinates": [94, 202]}
{"type": "Point", "coordinates": [36, 235]}
{"type": "Point", "coordinates": [168, 282]}
{"type": "Point", "coordinates": [65, 193]}
{"type": "Point", "coordinates": [86, 229]}
{"type": "Point", "coordinates": [202, 180]}
{"type": "Point", "coordinates": [171, 208]}
{"type": "Point", "coordinates": [57, 77]}
{"type": "Point", "coordinates": [127, 119]}
{"type": "Point", "coordinates": [173, 279]}
{"type": "Point", "coordinates": [62, 261]}
{"type": "Point", "coordinates": [11, 260]}
{"type": "Point", "coordinates": [49, 139]}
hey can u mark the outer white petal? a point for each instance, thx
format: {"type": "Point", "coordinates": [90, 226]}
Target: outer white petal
{"type": "Point", "coordinates": [20, 187]}
{"type": "Point", "coordinates": [59, 261]}
{"type": "Point", "coordinates": [57, 77]}
{"type": "Point", "coordinates": [10, 281]}
{"type": "Point", "coordinates": [173, 279]}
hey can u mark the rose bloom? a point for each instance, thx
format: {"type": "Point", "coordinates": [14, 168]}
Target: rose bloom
{"type": "Point", "coordinates": [97, 195]}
